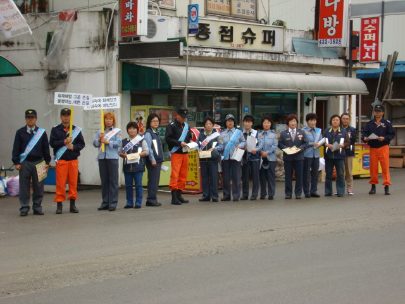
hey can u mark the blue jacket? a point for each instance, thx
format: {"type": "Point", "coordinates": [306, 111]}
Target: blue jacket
{"type": "Point", "coordinates": [352, 133]}
{"type": "Point", "coordinates": [154, 156]}
{"type": "Point", "coordinates": [224, 138]}
{"type": "Point", "coordinates": [312, 136]}
{"type": "Point", "coordinates": [384, 129]}
{"type": "Point", "coordinates": [269, 144]}
{"type": "Point", "coordinates": [112, 150]}
{"type": "Point", "coordinates": [341, 137]}
{"type": "Point", "coordinates": [286, 141]}
{"type": "Point", "coordinates": [249, 156]}
{"type": "Point", "coordinates": [134, 167]}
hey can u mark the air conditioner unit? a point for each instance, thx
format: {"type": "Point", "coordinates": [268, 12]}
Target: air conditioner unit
{"type": "Point", "coordinates": [157, 29]}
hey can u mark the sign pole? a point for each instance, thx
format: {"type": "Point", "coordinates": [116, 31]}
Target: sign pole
{"type": "Point", "coordinates": [102, 129]}
{"type": "Point", "coordinates": [71, 120]}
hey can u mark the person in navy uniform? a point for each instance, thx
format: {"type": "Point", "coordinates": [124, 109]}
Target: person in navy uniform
{"type": "Point", "coordinates": [154, 159]}
{"type": "Point", "coordinates": [67, 165]}
{"type": "Point", "coordinates": [379, 147]}
{"type": "Point", "coordinates": [293, 137]}
{"type": "Point", "coordinates": [25, 160]}
{"type": "Point", "coordinates": [335, 158]}
{"type": "Point", "coordinates": [269, 142]}
{"type": "Point", "coordinates": [209, 166]}
{"type": "Point", "coordinates": [350, 151]}
{"type": "Point", "coordinates": [250, 160]}
{"type": "Point", "coordinates": [227, 148]}
{"type": "Point", "coordinates": [133, 171]}
{"type": "Point", "coordinates": [311, 156]}
{"type": "Point", "coordinates": [178, 157]}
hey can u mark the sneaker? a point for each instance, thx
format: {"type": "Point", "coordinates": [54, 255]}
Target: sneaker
{"type": "Point", "coordinates": [350, 192]}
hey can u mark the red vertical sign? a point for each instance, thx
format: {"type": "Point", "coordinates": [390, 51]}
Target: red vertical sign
{"type": "Point", "coordinates": [370, 39]}
{"type": "Point", "coordinates": [129, 17]}
{"type": "Point", "coordinates": [332, 23]}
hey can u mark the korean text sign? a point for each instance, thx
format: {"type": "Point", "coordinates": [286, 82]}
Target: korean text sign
{"type": "Point", "coordinates": [129, 17]}
{"type": "Point", "coordinates": [333, 23]}
{"type": "Point", "coordinates": [12, 22]}
{"type": "Point", "coordinates": [72, 99]}
{"type": "Point", "coordinates": [369, 39]}
{"type": "Point", "coordinates": [104, 103]}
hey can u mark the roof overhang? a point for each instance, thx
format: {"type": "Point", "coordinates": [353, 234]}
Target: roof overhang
{"type": "Point", "coordinates": [8, 69]}
{"type": "Point", "coordinates": [214, 79]}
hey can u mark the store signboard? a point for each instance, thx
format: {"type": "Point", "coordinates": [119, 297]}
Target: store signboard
{"type": "Point", "coordinates": [246, 9]}
{"type": "Point", "coordinates": [193, 19]}
{"type": "Point", "coordinates": [369, 39]}
{"type": "Point", "coordinates": [134, 16]}
{"type": "Point", "coordinates": [168, 3]}
{"type": "Point", "coordinates": [333, 23]}
{"type": "Point", "coordinates": [239, 35]}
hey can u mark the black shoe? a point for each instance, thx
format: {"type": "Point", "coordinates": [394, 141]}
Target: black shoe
{"type": "Point", "coordinates": [103, 208]}
{"type": "Point", "coordinates": [24, 213]}
{"type": "Point", "coordinates": [328, 194]}
{"type": "Point", "coordinates": [59, 208]}
{"type": "Point", "coordinates": [128, 206]}
{"type": "Point", "coordinates": [244, 198]}
{"type": "Point", "coordinates": [111, 209]}
{"type": "Point", "coordinates": [270, 197]}
{"type": "Point", "coordinates": [298, 197]}
{"type": "Point", "coordinates": [73, 208]}
{"type": "Point", "coordinates": [340, 195]}
{"type": "Point", "coordinates": [225, 199]}
{"type": "Point", "coordinates": [215, 200]}
{"type": "Point", "coordinates": [315, 195]}
{"type": "Point", "coordinates": [253, 198]}
{"type": "Point", "coordinates": [204, 199]}
{"type": "Point", "coordinates": [150, 204]}
{"type": "Point", "coordinates": [175, 199]}
{"type": "Point", "coordinates": [387, 190]}
{"type": "Point", "coordinates": [263, 197]}
{"type": "Point", "coordinates": [137, 206]}
{"type": "Point", "coordinates": [180, 198]}
{"type": "Point", "coordinates": [288, 197]}
{"type": "Point", "coordinates": [236, 200]}
{"type": "Point", "coordinates": [372, 191]}
{"type": "Point", "coordinates": [307, 195]}
{"type": "Point", "coordinates": [38, 213]}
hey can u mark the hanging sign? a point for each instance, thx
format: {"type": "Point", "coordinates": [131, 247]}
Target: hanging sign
{"type": "Point", "coordinates": [333, 23]}
{"type": "Point", "coordinates": [193, 19]}
{"type": "Point", "coordinates": [134, 18]}
{"type": "Point", "coordinates": [12, 23]}
{"type": "Point", "coordinates": [370, 39]}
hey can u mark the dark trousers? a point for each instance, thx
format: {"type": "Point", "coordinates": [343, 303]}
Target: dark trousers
{"type": "Point", "coordinates": [209, 178]}
{"type": "Point", "coordinates": [268, 178]}
{"type": "Point", "coordinates": [340, 178]}
{"type": "Point", "coordinates": [153, 181]}
{"type": "Point", "coordinates": [250, 166]}
{"type": "Point", "coordinates": [28, 172]}
{"type": "Point", "coordinates": [289, 168]}
{"type": "Point", "coordinates": [109, 182]}
{"type": "Point", "coordinates": [236, 178]}
{"type": "Point", "coordinates": [311, 167]}
{"type": "Point", "coordinates": [130, 178]}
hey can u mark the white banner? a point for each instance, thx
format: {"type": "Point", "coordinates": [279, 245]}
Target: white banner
{"type": "Point", "coordinates": [11, 21]}
{"type": "Point", "coordinates": [72, 99]}
{"type": "Point", "coordinates": [104, 103]}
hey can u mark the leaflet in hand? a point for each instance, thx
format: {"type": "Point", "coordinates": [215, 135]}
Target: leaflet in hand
{"type": "Point", "coordinates": [190, 147]}
{"type": "Point", "coordinates": [336, 146]}
{"type": "Point", "coordinates": [251, 143]}
{"type": "Point", "coordinates": [164, 168]}
{"type": "Point", "coordinates": [372, 136]}
{"type": "Point", "coordinates": [291, 150]}
{"type": "Point", "coordinates": [321, 143]}
{"type": "Point", "coordinates": [238, 154]}
{"type": "Point", "coordinates": [205, 154]}
{"type": "Point", "coordinates": [133, 158]}
{"type": "Point", "coordinates": [41, 171]}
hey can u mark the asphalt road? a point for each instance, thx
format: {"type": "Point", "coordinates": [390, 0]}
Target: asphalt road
{"type": "Point", "coordinates": [326, 250]}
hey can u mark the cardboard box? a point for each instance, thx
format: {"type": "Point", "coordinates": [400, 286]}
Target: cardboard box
{"type": "Point", "coordinates": [397, 151]}
{"type": "Point", "coordinates": [396, 162]}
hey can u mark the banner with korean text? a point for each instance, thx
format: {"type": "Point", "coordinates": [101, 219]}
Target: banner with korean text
{"type": "Point", "coordinates": [12, 22]}
{"type": "Point", "coordinates": [333, 23]}
{"type": "Point", "coordinates": [370, 39]}
{"type": "Point", "coordinates": [104, 103]}
{"type": "Point", "coordinates": [72, 99]}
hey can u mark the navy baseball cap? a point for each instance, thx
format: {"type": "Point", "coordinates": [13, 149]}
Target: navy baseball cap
{"type": "Point", "coordinates": [229, 116]}
{"type": "Point", "coordinates": [182, 111]}
{"type": "Point", "coordinates": [31, 113]}
{"type": "Point", "coordinates": [65, 111]}
{"type": "Point", "coordinates": [379, 108]}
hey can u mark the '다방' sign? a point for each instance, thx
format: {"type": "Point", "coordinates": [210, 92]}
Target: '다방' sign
{"type": "Point", "coordinates": [12, 23]}
{"type": "Point", "coordinates": [370, 39]}
{"type": "Point", "coordinates": [104, 103]}
{"type": "Point", "coordinates": [72, 99]}
{"type": "Point", "coordinates": [134, 18]}
{"type": "Point", "coordinates": [333, 23]}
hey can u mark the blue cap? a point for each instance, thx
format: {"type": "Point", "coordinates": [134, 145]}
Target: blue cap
{"type": "Point", "coordinates": [379, 108]}
{"type": "Point", "coordinates": [229, 116]}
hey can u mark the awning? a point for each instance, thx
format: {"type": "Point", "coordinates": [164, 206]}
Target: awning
{"type": "Point", "coordinates": [399, 71]}
{"type": "Point", "coordinates": [8, 69]}
{"type": "Point", "coordinates": [139, 77]}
